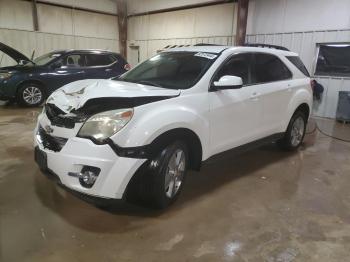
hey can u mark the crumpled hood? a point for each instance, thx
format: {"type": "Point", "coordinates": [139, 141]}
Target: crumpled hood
{"type": "Point", "coordinates": [75, 95]}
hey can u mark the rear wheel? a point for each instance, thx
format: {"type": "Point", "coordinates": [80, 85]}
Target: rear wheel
{"type": "Point", "coordinates": [295, 132]}
{"type": "Point", "coordinates": [30, 95]}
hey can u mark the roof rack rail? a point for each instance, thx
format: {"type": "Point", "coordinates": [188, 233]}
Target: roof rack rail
{"type": "Point", "coordinates": [267, 46]}
{"type": "Point", "coordinates": [205, 44]}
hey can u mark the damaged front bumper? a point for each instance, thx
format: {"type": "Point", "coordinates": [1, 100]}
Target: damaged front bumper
{"type": "Point", "coordinates": [66, 156]}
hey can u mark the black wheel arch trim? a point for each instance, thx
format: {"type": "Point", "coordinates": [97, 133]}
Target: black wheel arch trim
{"type": "Point", "coordinates": [35, 81]}
{"type": "Point", "coordinates": [151, 150]}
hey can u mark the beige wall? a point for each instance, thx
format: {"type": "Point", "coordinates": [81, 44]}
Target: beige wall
{"type": "Point", "coordinates": [211, 24]}
{"type": "Point", "coordinates": [108, 6]}
{"type": "Point", "coordinates": [16, 14]}
{"type": "Point", "coordinates": [282, 16]}
{"type": "Point", "coordinates": [141, 6]}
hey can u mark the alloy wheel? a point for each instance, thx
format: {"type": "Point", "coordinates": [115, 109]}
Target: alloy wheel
{"type": "Point", "coordinates": [32, 95]}
{"type": "Point", "coordinates": [297, 131]}
{"type": "Point", "coordinates": [175, 173]}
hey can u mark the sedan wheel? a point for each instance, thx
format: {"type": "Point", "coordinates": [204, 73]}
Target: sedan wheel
{"type": "Point", "coordinates": [30, 95]}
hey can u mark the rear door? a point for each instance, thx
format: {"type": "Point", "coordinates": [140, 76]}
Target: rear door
{"type": "Point", "coordinates": [273, 81]}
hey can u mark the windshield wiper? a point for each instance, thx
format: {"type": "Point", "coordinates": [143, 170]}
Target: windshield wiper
{"type": "Point", "coordinates": [146, 82]}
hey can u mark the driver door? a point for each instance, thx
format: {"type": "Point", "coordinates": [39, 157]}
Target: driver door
{"type": "Point", "coordinates": [235, 114]}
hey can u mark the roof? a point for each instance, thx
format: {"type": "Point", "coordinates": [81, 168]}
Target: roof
{"type": "Point", "coordinates": [218, 49]}
{"type": "Point", "coordinates": [209, 49]}
{"type": "Point", "coordinates": [82, 50]}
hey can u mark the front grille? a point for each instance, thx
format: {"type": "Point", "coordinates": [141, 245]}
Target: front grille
{"type": "Point", "coordinates": [61, 119]}
{"type": "Point", "coordinates": [52, 143]}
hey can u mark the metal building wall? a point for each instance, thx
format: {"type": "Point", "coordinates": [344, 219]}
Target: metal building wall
{"type": "Point", "coordinates": [212, 24]}
{"type": "Point", "coordinates": [304, 43]}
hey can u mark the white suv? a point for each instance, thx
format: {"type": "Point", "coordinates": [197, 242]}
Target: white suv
{"type": "Point", "coordinates": [139, 134]}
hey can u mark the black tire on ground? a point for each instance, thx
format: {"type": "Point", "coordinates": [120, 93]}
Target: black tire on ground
{"type": "Point", "coordinates": [148, 186]}
{"type": "Point", "coordinates": [30, 95]}
{"type": "Point", "coordinates": [287, 142]}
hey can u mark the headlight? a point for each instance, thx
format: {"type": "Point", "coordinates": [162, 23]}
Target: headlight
{"type": "Point", "coordinates": [106, 124]}
{"type": "Point", "coordinates": [4, 76]}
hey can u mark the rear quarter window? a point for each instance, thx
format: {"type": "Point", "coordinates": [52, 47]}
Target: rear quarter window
{"type": "Point", "coordinates": [295, 60]}
{"type": "Point", "coordinates": [99, 59]}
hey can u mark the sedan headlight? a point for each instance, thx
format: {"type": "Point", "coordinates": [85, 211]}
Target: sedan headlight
{"type": "Point", "coordinates": [4, 76]}
{"type": "Point", "coordinates": [103, 125]}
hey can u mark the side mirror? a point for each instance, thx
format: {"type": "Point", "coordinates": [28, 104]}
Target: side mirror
{"type": "Point", "coordinates": [22, 62]}
{"type": "Point", "coordinates": [228, 82]}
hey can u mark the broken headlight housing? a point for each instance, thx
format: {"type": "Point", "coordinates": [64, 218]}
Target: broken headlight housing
{"type": "Point", "coordinates": [103, 125]}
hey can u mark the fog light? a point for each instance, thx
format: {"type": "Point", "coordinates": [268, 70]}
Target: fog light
{"type": "Point", "coordinates": [88, 176]}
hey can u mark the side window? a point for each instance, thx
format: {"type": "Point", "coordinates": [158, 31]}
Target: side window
{"type": "Point", "coordinates": [99, 59]}
{"type": "Point", "coordinates": [238, 65]}
{"type": "Point", "coordinates": [269, 68]}
{"type": "Point", "coordinates": [73, 60]}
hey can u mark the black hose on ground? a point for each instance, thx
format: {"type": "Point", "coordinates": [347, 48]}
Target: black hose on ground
{"type": "Point", "coordinates": [325, 134]}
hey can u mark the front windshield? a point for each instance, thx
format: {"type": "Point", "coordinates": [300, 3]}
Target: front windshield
{"type": "Point", "coordinates": [173, 70]}
{"type": "Point", "coordinates": [44, 59]}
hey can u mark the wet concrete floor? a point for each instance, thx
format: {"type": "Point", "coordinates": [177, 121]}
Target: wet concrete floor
{"type": "Point", "coordinates": [263, 205]}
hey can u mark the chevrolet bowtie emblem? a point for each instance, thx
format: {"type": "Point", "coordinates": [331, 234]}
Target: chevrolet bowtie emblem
{"type": "Point", "coordinates": [48, 129]}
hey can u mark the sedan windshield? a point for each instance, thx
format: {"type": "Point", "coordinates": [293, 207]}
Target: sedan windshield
{"type": "Point", "coordinates": [44, 59]}
{"type": "Point", "coordinates": [172, 70]}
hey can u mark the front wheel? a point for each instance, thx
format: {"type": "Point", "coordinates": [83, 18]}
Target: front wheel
{"type": "Point", "coordinates": [30, 95]}
{"type": "Point", "coordinates": [295, 132]}
{"type": "Point", "coordinates": [161, 180]}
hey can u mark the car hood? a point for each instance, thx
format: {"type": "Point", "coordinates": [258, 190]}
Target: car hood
{"type": "Point", "coordinates": [103, 93]}
{"type": "Point", "coordinates": [13, 53]}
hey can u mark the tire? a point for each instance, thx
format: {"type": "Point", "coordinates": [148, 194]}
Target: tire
{"type": "Point", "coordinates": [160, 181]}
{"type": "Point", "coordinates": [30, 95]}
{"type": "Point", "coordinates": [295, 133]}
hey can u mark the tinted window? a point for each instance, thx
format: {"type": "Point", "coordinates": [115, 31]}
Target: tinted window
{"type": "Point", "coordinates": [295, 60]}
{"type": "Point", "coordinates": [238, 65]}
{"type": "Point", "coordinates": [99, 59]}
{"type": "Point", "coordinates": [269, 68]}
{"type": "Point", "coordinates": [333, 60]}
{"type": "Point", "coordinates": [73, 60]}
{"type": "Point", "coordinates": [174, 70]}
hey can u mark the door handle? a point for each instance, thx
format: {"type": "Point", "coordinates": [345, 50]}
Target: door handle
{"type": "Point", "coordinates": [254, 96]}
{"type": "Point", "coordinates": [108, 70]}
{"type": "Point", "coordinates": [289, 88]}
